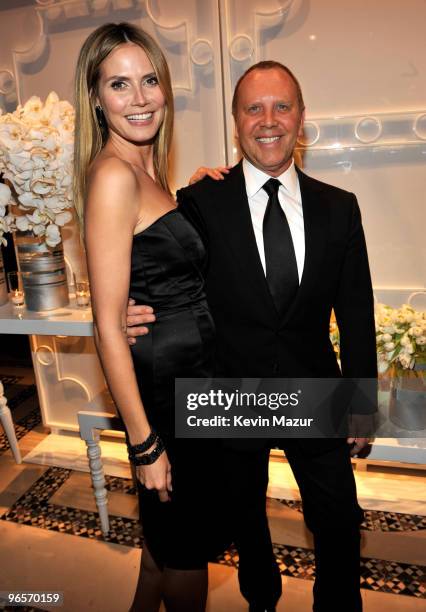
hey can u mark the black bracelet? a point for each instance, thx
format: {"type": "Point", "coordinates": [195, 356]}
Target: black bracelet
{"type": "Point", "coordinates": [149, 458]}
{"type": "Point", "coordinates": [134, 449]}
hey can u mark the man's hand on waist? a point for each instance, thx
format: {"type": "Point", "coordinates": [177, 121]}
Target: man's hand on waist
{"type": "Point", "coordinates": [137, 317]}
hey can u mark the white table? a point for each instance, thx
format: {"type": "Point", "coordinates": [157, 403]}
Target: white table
{"type": "Point", "coordinates": [69, 379]}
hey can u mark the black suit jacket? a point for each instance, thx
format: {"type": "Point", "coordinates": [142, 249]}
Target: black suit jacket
{"type": "Point", "coordinates": [253, 339]}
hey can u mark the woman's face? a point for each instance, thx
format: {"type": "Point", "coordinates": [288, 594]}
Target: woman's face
{"type": "Point", "coordinates": [129, 94]}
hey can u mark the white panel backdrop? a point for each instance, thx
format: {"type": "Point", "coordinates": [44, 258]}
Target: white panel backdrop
{"type": "Point", "coordinates": [362, 67]}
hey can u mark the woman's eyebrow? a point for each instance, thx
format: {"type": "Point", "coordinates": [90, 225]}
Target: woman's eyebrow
{"type": "Point", "coordinates": [126, 78]}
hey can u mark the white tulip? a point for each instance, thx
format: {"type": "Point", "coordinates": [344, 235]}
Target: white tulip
{"type": "Point", "coordinates": [32, 105]}
{"type": "Point", "coordinates": [389, 346]}
{"type": "Point", "coordinates": [52, 99]}
{"type": "Point", "coordinates": [405, 360]}
{"type": "Point", "coordinates": [415, 331]}
{"type": "Point", "coordinates": [382, 367]}
{"type": "Point", "coordinates": [405, 340]}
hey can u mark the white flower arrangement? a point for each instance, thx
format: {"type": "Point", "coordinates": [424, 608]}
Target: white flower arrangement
{"type": "Point", "coordinates": [6, 220]}
{"type": "Point", "coordinates": [400, 337]}
{"type": "Point", "coordinates": [36, 151]}
{"type": "Point", "coordinates": [335, 337]}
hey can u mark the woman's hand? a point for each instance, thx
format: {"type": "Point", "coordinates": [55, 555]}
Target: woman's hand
{"type": "Point", "coordinates": [214, 173]}
{"type": "Point", "coordinates": [157, 475]}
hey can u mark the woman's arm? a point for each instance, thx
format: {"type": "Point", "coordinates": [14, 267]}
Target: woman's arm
{"type": "Point", "coordinates": [111, 214]}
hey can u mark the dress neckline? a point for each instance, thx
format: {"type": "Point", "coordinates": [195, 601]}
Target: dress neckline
{"type": "Point", "coordinates": [173, 210]}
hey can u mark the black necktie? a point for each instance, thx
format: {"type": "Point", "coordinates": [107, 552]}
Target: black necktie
{"type": "Point", "coordinates": [281, 266]}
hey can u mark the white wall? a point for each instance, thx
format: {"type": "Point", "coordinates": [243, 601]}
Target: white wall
{"type": "Point", "coordinates": [362, 68]}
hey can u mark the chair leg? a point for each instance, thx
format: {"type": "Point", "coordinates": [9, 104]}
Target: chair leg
{"type": "Point", "coordinates": [7, 423]}
{"type": "Point", "coordinates": [98, 479]}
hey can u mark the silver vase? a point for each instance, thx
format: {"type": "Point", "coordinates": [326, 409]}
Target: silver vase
{"type": "Point", "coordinates": [43, 272]}
{"type": "Point", "coordinates": [407, 402]}
{"type": "Point", "coordinates": [3, 288]}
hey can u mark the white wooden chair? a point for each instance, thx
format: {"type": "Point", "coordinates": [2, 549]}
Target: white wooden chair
{"type": "Point", "coordinates": [7, 423]}
{"type": "Point", "coordinates": [91, 424]}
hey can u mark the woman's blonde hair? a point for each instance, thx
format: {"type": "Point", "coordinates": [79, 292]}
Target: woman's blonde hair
{"type": "Point", "coordinates": [90, 137]}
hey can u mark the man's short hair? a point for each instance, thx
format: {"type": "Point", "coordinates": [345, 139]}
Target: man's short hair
{"type": "Point", "coordinates": [267, 65]}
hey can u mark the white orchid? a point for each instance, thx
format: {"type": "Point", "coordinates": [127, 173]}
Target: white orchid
{"type": "Point", "coordinates": [36, 153]}
{"type": "Point", "coordinates": [6, 221]}
{"type": "Point", "coordinates": [39, 229]}
{"type": "Point", "coordinates": [5, 197]}
{"type": "Point", "coordinates": [22, 224]}
{"type": "Point", "coordinates": [63, 217]}
{"type": "Point", "coordinates": [53, 235]}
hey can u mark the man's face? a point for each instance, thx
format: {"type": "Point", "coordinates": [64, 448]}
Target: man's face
{"type": "Point", "coordinates": [268, 119]}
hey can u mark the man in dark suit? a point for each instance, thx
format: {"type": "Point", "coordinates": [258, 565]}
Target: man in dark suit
{"type": "Point", "coordinates": [284, 250]}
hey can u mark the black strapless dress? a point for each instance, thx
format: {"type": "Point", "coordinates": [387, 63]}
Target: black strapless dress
{"type": "Point", "coordinates": [167, 265]}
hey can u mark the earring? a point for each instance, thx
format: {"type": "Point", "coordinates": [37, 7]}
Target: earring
{"type": "Point", "coordinates": [100, 116]}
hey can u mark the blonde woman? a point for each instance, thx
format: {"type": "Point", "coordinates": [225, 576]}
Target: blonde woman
{"type": "Point", "coordinates": [139, 245]}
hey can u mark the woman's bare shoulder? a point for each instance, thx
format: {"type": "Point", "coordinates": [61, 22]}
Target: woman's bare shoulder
{"type": "Point", "coordinates": [112, 187]}
{"type": "Point", "coordinates": [111, 167]}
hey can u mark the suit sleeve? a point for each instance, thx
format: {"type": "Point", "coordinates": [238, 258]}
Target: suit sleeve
{"type": "Point", "coordinates": [189, 207]}
{"type": "Point", "coordinates": [354, 309]}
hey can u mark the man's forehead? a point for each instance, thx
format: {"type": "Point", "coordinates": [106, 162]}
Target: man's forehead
{"type": "Point", "coordinates": [267, 84]}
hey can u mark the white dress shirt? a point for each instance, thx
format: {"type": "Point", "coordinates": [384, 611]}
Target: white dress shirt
{"type": "Point", "coordinates": [291, 202]}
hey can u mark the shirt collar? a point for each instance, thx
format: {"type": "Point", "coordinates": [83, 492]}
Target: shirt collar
{"type": "Point", "coordinates": [255, 179]}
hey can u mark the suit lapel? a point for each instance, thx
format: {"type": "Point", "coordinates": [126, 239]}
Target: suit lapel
{"type": "Point", "coordinates": [239, 234]}
{"type": "Point", "coordinates": [315, 220]}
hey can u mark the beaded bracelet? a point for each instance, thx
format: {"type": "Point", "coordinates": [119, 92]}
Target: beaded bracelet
{"type": "Point", "coordinates": [134, 449]}
{"type": "Point", "coordinates": [149, 458]}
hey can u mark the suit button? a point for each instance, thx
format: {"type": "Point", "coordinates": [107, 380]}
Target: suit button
{"type": "Point", "coordinates": [275, 367]}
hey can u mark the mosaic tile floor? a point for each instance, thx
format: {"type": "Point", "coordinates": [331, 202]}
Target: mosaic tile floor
{"type": "Point", "coordinates": [378, 520]}
{"type": "Point", "coordinates": [35, 509]}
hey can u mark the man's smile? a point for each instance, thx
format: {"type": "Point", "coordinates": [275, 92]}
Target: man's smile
{"type": "Point", "coordinates": [267, 139]}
